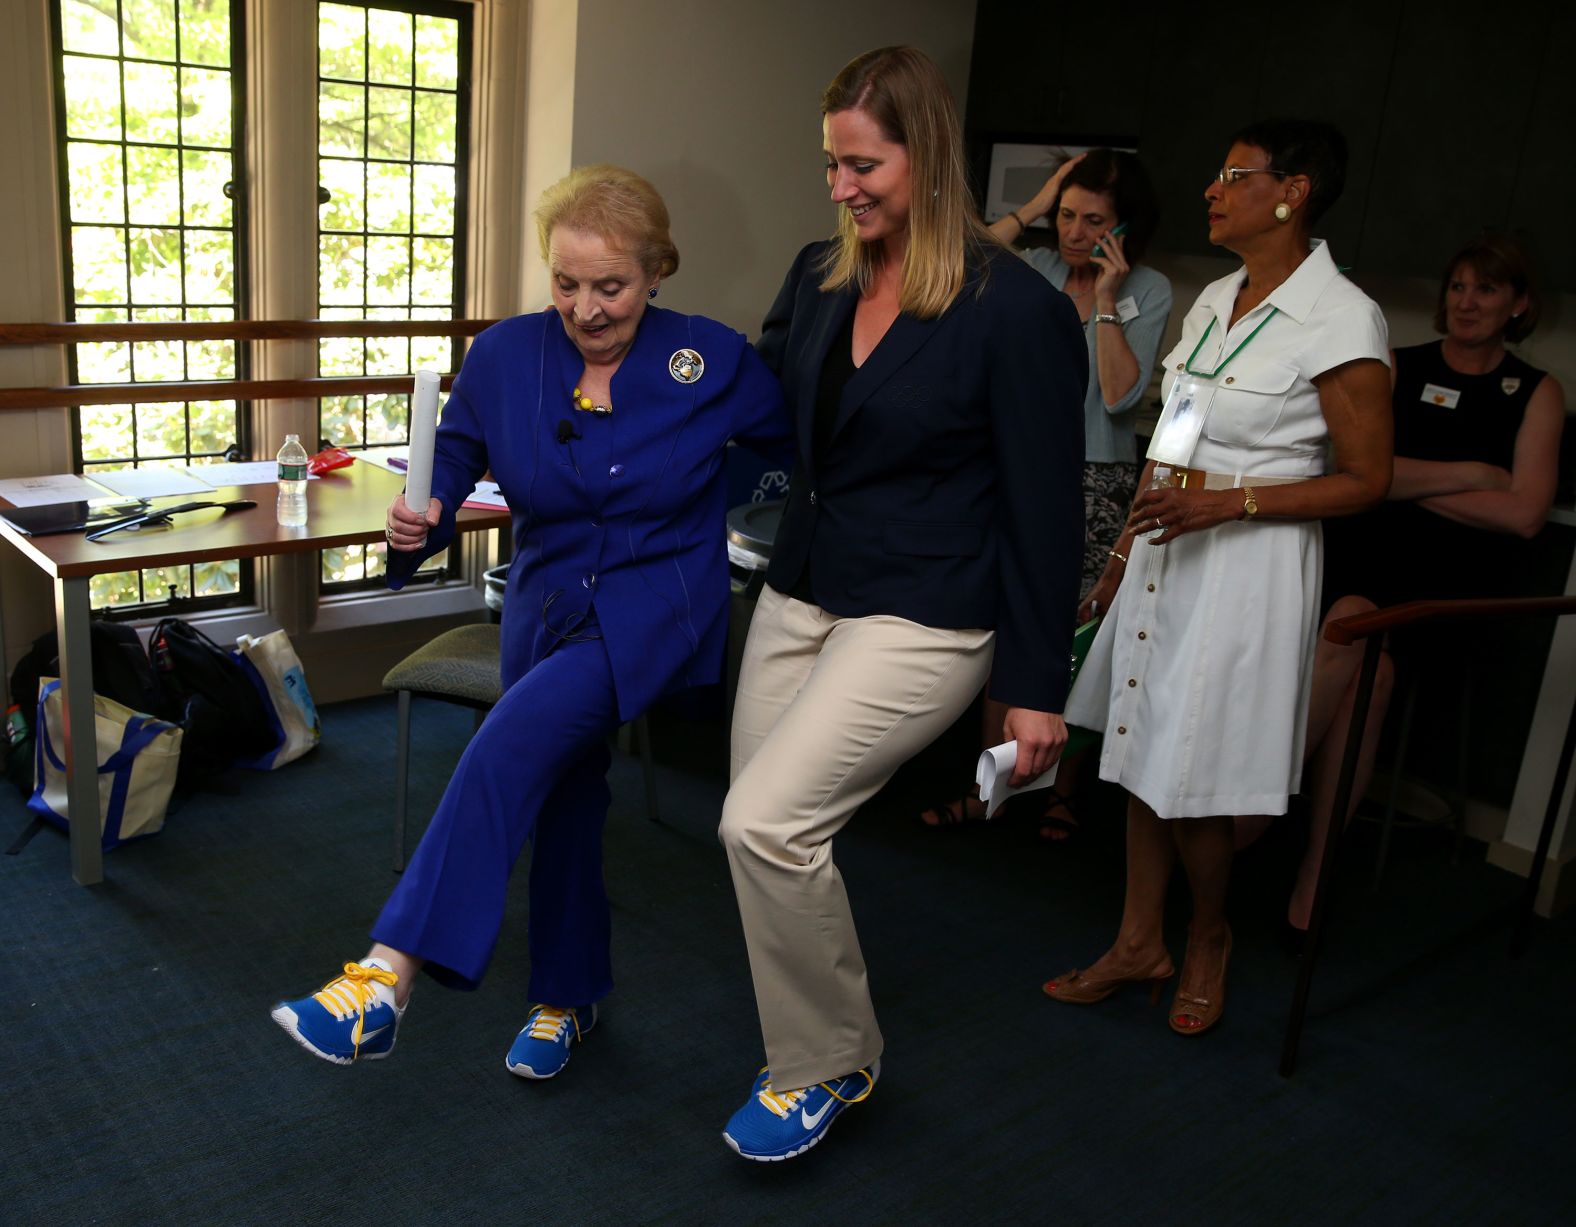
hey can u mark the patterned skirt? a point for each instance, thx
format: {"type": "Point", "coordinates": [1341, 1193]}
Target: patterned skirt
{"type": "Point", "coordinates": [1108, 497]}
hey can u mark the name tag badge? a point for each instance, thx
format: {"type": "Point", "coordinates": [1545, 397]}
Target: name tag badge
{"type": "Point", "coordinates": [1181, 421]}
{"type": "Point", "coordinates": [1445, 398]}
{"type": "Point", "coordinates": [1127, 309]}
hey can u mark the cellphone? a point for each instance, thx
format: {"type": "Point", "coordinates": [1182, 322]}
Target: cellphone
{"type": "Point", "coordinates": [1120, 230]}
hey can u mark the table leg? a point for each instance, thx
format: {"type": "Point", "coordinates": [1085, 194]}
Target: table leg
{"type": "Point", "coordinates": [79, 750]}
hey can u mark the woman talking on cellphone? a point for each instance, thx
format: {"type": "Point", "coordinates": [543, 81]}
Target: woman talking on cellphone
{"type": "Point", "coordinates": [1103, 211]}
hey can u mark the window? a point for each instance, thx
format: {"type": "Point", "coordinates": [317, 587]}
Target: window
{"type": "Point", "coordinates": [150, 126]}
{"type": "Point", "coordinates": [393, 110]}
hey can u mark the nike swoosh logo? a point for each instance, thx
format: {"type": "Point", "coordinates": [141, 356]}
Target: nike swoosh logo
{"type": "Point", "coordinates": [810, 1122]}
{"type": "Point", "coordinates": [368, 1035]}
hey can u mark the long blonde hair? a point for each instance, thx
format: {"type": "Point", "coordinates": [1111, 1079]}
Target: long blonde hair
{"type": "Point", "coordinates": [903, 91]}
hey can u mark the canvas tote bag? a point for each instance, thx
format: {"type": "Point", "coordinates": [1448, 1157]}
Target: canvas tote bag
{"type": "Point", "coordinates": [137, 758]}
{"type": "Point", "coordinates": [277, 673]}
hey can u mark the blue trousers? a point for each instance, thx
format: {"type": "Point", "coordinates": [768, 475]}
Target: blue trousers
{"type": "Point", "coordinates": [537, 770]}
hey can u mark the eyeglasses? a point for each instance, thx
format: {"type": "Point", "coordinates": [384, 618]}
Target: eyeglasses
{"type": "Point", "coordinates": [1233, 174]}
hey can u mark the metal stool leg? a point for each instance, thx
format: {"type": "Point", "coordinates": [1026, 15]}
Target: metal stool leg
{"type": "Point", "coordinates": [1321, 891]}
{"type": "Point", "coordinates": [1551, 817]}
{"type": "Point", "coordinates": [1403, 741]}
{"type": "Point", "coordinates": [1463, 749]}
{"type": "Point", "coordinates": [401, 779]}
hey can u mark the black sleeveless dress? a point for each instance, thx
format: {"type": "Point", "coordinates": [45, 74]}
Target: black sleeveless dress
{"type": "Point", "coordinates": [1402, 552]}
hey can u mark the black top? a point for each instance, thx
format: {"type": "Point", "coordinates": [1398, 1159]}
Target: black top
{"type": "Point", "coordinates": [1480, 425]}
{"type": "Point", "coordinates": [1400, 551]}
{"type": "Point", "coordinates": [836, 371]}
{"type": "Point", "coordinates": [945, 486]}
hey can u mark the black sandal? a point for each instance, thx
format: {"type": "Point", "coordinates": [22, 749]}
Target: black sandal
{"type": "Point", "coordinates": [955, 813]}
{"type": "Point", "coordinates": [1058, 828]}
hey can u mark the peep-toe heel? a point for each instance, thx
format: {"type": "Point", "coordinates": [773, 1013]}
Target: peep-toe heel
{"type": "Point", "coordinates": [1079, 988]}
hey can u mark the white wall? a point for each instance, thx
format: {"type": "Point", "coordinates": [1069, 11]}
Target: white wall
{"type": "Point", "coordinates": [31, 441]}
{"type": "Point", "coordinates": [717, 102]}
{"type": "Point", "coordinates": [714, 100]}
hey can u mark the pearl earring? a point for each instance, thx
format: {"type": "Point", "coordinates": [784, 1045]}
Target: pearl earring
{"type": "Point", "coordinates": [1283, 212]}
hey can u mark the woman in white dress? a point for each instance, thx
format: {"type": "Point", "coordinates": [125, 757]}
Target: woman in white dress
{"type": "Point", "coordinates": [1277, 415]}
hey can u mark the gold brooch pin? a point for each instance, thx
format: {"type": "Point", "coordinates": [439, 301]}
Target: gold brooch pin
{"type": "Point", "coordinates": [686, 366]}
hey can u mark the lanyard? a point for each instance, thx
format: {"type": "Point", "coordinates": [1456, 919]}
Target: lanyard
{"type": "Point", "coordinates": [1188, 365]}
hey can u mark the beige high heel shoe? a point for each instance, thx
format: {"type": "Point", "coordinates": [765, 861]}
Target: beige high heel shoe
{"type": "Point", "coordinates": [1080, 988]}
{"type": "Point", "coordinates": [1191, 1015]}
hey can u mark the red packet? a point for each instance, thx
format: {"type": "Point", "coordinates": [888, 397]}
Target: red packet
{"type": "Point", "coordinates": [328, 459]}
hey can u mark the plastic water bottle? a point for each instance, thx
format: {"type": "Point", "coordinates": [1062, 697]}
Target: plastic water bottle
{"type": "Point", "coordinates": [292, 483]}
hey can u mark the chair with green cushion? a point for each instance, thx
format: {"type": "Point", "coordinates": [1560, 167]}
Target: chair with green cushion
{"type": "Point", "coordinates": [462, 666]}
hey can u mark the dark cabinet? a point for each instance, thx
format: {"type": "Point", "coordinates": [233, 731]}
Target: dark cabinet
{"type": "Point", "coordinates": [1032, 74]}
{"type": "Point", "coordinates": [1543, 200]}
{"type": "Point", "coordinates": [1457, 117]}
{"type": "Point", "coordinates": [1202, 88]}
{"type": "Point", "coordinates": [1010, 90]}
{"type": "Point", "coordinates": [1332, 63]}
{"type": "Point", "coordinates": [1449, 136]}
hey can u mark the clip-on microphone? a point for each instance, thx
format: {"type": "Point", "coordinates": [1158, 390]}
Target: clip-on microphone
{"type": "Point", "coordinates": [566, 432]}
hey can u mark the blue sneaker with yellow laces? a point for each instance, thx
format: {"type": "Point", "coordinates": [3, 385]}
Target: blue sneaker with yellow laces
{"type": "Point", "coordinates": [352, 1017]}
{"type": "Point", "coordinates": [541, 1049]}
{"type": "Point", "coordinates": [774, 1125]}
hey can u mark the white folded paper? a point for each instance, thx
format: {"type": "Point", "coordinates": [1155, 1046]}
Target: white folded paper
{"type": "Point", "coordinates": [995, 769]}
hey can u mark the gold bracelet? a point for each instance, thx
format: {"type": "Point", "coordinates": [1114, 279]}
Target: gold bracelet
{"type": "Point", "coordinates": [1114, 554]}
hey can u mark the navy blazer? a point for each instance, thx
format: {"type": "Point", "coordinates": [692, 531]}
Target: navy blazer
{"type": "Point", "coordinates": [950, 491]}
{"type": "Point", "coordinates": [619, 517]}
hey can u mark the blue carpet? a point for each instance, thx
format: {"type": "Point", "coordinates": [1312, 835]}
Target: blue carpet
{"type": "Point", "coordinates": [144, 1083]}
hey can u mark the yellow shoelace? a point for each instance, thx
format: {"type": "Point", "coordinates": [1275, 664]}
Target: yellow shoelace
{"type": "Point", "coordinates": [784, 1102]}
{"type": "Point", "coordinates": [353, 991]}
{"type": "Point", "coordinates": [548, 1019]}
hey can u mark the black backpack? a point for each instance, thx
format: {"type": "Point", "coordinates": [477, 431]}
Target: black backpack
{"type": "Point", "coordinates": [120, 671]}
{"type": "Point", "coordinates": [219, 707]}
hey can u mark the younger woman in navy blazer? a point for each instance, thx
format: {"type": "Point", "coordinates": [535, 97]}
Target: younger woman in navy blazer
{"type": "Point", "coordinates": [937, 386]}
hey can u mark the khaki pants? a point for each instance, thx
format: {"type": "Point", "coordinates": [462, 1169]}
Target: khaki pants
{"type": "Point", "coordinates": [828, 708]}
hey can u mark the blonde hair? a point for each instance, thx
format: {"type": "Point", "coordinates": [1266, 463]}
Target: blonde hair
{"type": "Point", "coordinates": [903, 91]}
{"type": "Point", "coordinates": [614, 204]}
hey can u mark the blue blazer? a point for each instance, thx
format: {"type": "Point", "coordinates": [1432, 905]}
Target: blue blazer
{"type": "Point", "coordinates": [621, 523]}
{"type": "Point", "coordinates": [951, 488]}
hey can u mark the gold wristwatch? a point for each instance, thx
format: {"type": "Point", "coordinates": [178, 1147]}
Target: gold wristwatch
{"type": "Point", "coordinates": [1250, 505]}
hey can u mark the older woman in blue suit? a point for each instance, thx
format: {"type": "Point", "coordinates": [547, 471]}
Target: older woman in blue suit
{"type": "Point", "coordinates": [604, 421]}
{"type": "Point", "coordinates": [935, 521]}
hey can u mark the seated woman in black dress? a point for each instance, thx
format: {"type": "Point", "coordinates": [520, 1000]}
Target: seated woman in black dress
{"type": "Point", "coordinates": [1477, 442]}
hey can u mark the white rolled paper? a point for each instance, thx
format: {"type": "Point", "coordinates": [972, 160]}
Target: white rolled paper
{"type": "Point", "coordinates": [423, 429]}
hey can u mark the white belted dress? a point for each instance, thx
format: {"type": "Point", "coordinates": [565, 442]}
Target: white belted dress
{"type": "Point", "coordinates": [1199, 675]}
